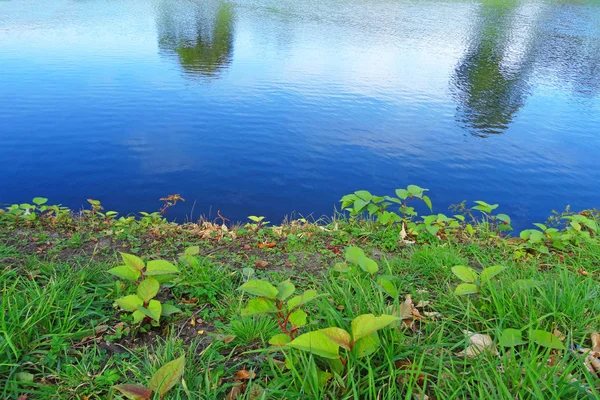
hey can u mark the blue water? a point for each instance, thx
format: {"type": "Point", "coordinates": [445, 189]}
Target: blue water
{"type": "Point", "coordinates": [269, 107]}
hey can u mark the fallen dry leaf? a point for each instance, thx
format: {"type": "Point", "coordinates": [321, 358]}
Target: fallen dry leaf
{"type": "Point", "coordinates": [559, 335]}
{"type": "Point", "coordinates": [266, 245]}
{"type": "Point", "coordinates": [23, 397]}
{"type": "Point", "coordinates": [236, 391]}
{"type": "Point", "coordinates": [407, 312]}
{"type": "Point", "coordinates": [244, 375]}
{"type": "Point", "coordinates": [583, 272]}
{"type": "Point", "coordinates": [478, 343]}
{"type": "Point", "coordinates": [260, 264]}
{"type": "Point", "coordinates": [595, 342]}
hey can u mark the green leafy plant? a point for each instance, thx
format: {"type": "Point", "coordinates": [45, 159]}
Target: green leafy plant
{"type": "Point", "coordinates": [473, 280]}
{"type": "Point", "coordinates": [511, 337]}
{"type": "Point", "coordinates": [257, 222]}
{"type": "Point", "coordinates": [362, 201]}
{"type": "Point", "coordinates": [276, 301]}
{"type": "Point", "coordinates": [148, 278]}
{"type": "Point", "coordinates": [362, 340]}
{"type": "Point", "coordinates": [161, 382]}
{"type": "Point", "coordinates": [500, 222]}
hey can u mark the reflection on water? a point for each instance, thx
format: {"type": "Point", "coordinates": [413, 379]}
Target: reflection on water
{"type": "Point", "coordinates": [200, 35]}
{"type": "Point", "coordinates": [271, 106]}
{"type": "Point", "coordinates": [489, 86]}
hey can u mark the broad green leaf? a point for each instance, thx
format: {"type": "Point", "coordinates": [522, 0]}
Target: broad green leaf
{"type": "Point", "coordinates": [148, 289]}
{"type": "Point", "coordinates": [359, 205]}
{"type": "Point", "coordinates": [368, 265]}
{"type": "Point", "coordinates": [153, 310]}
{"type": "Point", "coordinates": [511, 337]}
{"type": "Point", "coordinates": [316, 342]}
{"type": "Point", "coordinates": [138, 316]}
{"type": "Point", "coordinates": [363, 194]}
{"type": "Point", "coordinates": [365, 324]}
{"type": "Point", "coordinates": [167, 376]}
{"type": "Point", "coordinates": [366, 346]}
{"type": "Point", "coordinates": [260, 288]}
{"type": "Point", "coordinates": [402, 193]}
{"type": "Point", "coordinates": [341, 267]}
{"type": "Point", "coordinates": [354, 254]}
{"type": "Point", "coordinates": [546, 339]}
{"type": "Point", "coordinates": [160, 267]}
{"type": "Point", "coordinates": [130, 303]}
{"type": "Point", "coordinates": [489, 272]}
{"type": "Point", "coordinates": [415, 190]}
{"type": "Point", "coordinates": [285, 289]}
{"type": "Point", "coordinates": [388, 286]}
{"type": "Point", "coordinates": [279, 340]}
{"type": "Point", "coordinates": [302, 299]}
{"type": "Point", "coordinates": [134, 392]}
{"type": "Point", "coordinates": [168, 309]}
{"type": "Point", "coordinates": [125, 272]}
{"type": "Point", "coordinates": [432, 229]}
{"type": "Point", "coordinates": [192, 251]}
{"type": "Point", "coordinates": [465, 274]}
{"type": "Point", "coordinates": [40, 200]}
{"type": "Point", "coordinates": [541, 226]}
{"type": "Point", "coordinates": [503, 218]}
{"type": "Point", "coordinates": [133, 262]}
{"type": "Point", "coordinates": [298, 318]}
{"type": "Point", "coordinates": [259, 305]}
{"type": "Point", "coordinates": [427, 201]}
{"type": "Point", "coordinates": [466, 288]}
{"type": "Point", "coordinates": [339, 336]}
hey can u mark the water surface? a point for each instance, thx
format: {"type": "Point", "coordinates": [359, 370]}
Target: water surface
{"type": "Point", "coordinates": [268, 107]}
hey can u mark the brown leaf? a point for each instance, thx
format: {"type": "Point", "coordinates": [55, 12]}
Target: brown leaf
{"type": "Point", "coordinates": [261, 264]}
{"type": "Point", "coordinates": [244, 375]}
{"type": "Point", "coordinates": [266, 245]}
{"type": "Point", "coordinates": [583, 272]}
{"type": "Point", "coordinates": [236, 391]}
{"type": "Point", "coordinates": [595, 342]}
{"type": "Point", "coordinates": [247, 247]}
{"type": "Point", "coordinates": [559, 335]}
{"type": "Point", "coordinates": [23, 397]}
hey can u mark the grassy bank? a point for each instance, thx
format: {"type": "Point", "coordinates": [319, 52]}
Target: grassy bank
{"type": "Point", "coordinates": [521, 329]}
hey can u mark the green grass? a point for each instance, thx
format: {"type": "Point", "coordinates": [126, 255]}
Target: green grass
{"type": "Point", "coordinates": [62, 337]}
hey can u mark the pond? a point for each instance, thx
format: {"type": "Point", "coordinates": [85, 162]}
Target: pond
{"type": "Point", "coordinates": [268, 107]}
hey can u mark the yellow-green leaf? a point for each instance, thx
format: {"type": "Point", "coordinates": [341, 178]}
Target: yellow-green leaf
{"type": "Point", "coordinates": [511, 338]}
{"type": "Point", "coordinates": [368, 265]}
{"type": "Point", "coordinates": [317, 343]}
{"type": "Point", "coordinates": [353, 254]}
{"type": "Point", "coordinates": [339, 336]}
{"type": "Point", "coordinates": [153, 310]}
{"type": "Point", "coordinates": [285, 289]}
{"type": "Point", "coordinates": [466, 288]}
{"type": "Point", "coordinates": [130, 303]}
{"type": "Point", "coordinates": [138, 316]}
{"type": "Point", "coordinates": [148, 289]}
{"type": "Point", "coordinates": [302, 299]}
{"type": "Point", "coordinates": [259, 305]}
{"type": "Point", "coordinates": [133, 262]}
{"type": "Point", "coordinates": [168, 309]}
{"type": "Point", "coordinates": [167, 376]}
{"type": "Point", "coordinates": [192, 251]}
{"type": "Point", "coordinates": [366, 346]}
{"type": "Point", "coordinates": [546, 339]}
{"type": "Point", "coordinates": [160, 267]}
{"type": "Point", "coordinates": [366, 324]}
{"type": "Point", "coordinates": [489, 272]}
{"type": "Point", "coordinates": [260, 288]}
{"type": "Point", "coordinates": [125, 272]}
{"type": "Point", "coordinates": [465, 274]}
{"type": "Point", "coordinates": [279, 340]}
{"type": "Point", "coordinates": [298, 318]}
